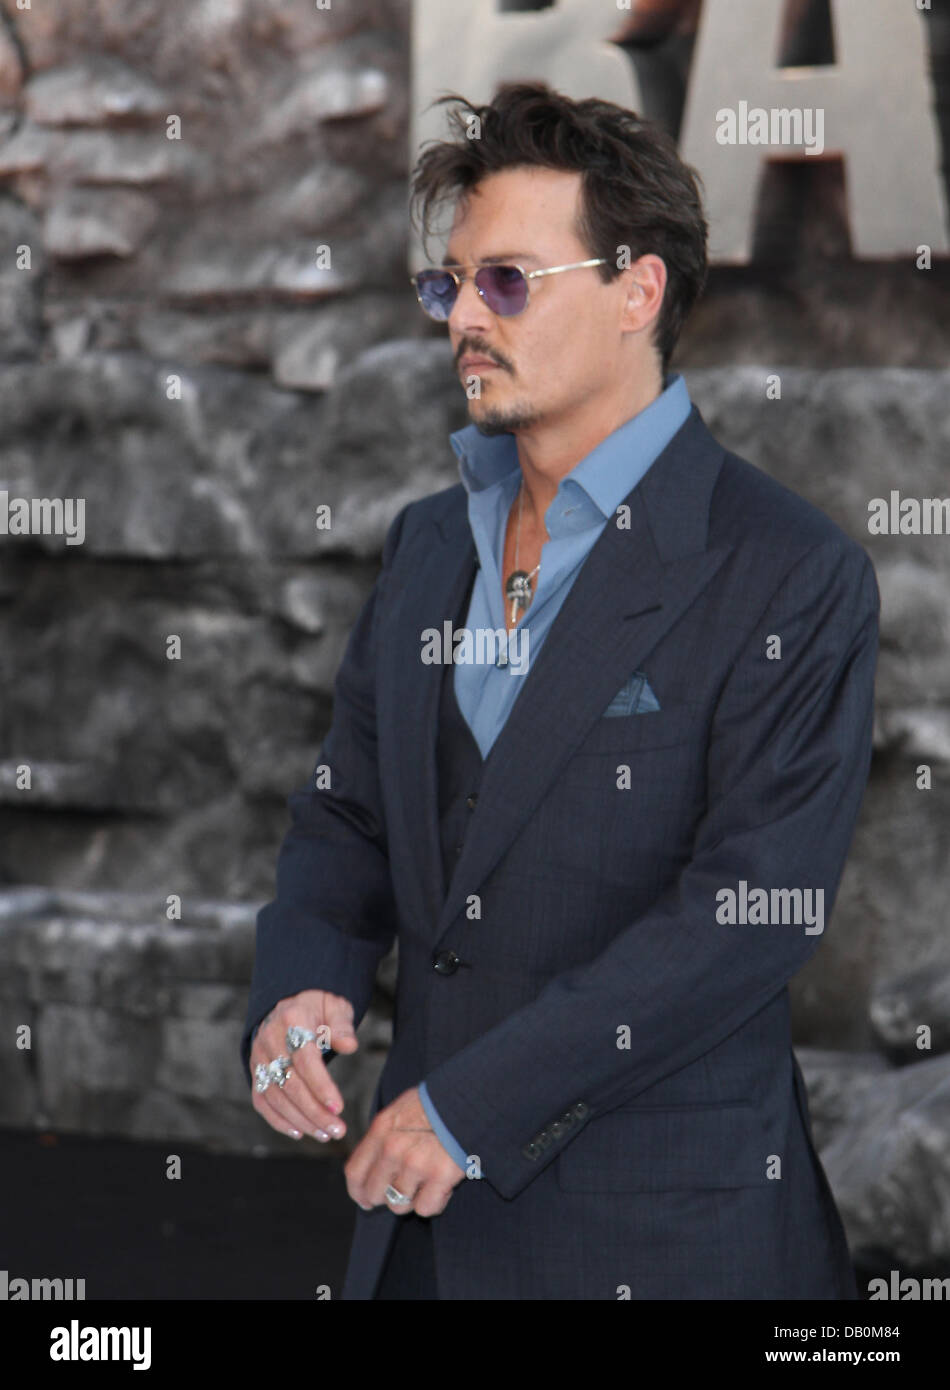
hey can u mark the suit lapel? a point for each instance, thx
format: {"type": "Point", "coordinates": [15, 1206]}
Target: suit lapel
{"type": "Point", "coordinates": [632, 588]}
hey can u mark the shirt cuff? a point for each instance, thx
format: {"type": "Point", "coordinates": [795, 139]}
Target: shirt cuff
{"type": "Point", "coordinates": [448, 1141]}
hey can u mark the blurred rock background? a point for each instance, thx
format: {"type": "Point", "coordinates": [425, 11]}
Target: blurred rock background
{"type": "Point", "coordinates": [175, 349]}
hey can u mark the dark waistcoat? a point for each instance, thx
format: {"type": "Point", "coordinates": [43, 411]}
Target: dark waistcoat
{"type": "Point", "coordinates": [460, 764]}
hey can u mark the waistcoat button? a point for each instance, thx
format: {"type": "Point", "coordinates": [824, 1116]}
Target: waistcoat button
{"type": "Point", "coordinates": [445, 962]}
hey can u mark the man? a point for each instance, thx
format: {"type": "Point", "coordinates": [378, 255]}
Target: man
{"type": "Point", "coordinates": [604, 863]}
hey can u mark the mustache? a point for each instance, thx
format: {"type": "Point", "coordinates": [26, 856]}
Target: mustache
{"type": "Point", "coordinates": [466, 346]}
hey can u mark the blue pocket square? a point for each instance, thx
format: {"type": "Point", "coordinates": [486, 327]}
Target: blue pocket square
{"type": "Point", "coordinates": [633, 697]}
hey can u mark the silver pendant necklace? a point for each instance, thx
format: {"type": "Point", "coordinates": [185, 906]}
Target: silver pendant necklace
{"type": "Point", "coordinates": [518, 588]}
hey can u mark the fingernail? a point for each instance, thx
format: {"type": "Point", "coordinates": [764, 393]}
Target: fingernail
{"type": "Point", "coordinates": [334, 1105]}
{"type": "Point", "coordinates": [365, 1208]}
{"type": "Point", "coordinates": [295, 1133]}
{"type": "Point", "coordinates": [321, 1135]}
{"type": "Point", "coordinates": [335, 1129]}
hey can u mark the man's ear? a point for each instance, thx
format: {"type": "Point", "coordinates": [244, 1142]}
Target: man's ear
{"type": "Point", "coordinates": [646, 283]}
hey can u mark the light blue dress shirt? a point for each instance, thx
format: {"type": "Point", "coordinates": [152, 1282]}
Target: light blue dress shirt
{"type": "Point", "coordinates": [586, 499]}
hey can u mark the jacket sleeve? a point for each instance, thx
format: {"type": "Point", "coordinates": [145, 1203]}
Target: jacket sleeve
{"type": "Point", "coordinates": [333, 917]}
{"type": "Point", "coordinates": [787, 763]}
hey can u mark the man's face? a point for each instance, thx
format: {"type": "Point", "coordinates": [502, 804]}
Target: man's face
{"type": "Point", "coordinates": [562, 349]}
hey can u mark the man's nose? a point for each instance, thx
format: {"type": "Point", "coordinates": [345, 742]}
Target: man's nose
{"type": "Point", "coordinates": [470, 314]}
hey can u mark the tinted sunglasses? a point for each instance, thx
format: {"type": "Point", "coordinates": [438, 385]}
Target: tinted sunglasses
{"type": "Point", "coordinates": [504, 288]}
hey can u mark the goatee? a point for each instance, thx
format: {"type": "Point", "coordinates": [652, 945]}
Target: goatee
{"type": "Point", "coordinates": [496, 421]}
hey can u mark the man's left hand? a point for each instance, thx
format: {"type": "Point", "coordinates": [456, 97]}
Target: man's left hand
{"type": "Point", "coordinates": [401, 1149]}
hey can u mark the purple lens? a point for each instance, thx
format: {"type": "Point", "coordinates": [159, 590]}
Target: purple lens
{"type": "Point", "coordinates": [504, 288]}
{"type": "Point", "coordinates": [437, 292]}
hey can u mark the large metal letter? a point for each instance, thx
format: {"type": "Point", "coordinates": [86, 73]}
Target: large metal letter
{"type": "Point", "coordinates": [469, 48]}
{"type": "Point", "coordinates": [877, 107]}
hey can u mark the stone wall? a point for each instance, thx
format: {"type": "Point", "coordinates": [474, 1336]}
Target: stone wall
{"type": "Point", "coordinates": [116, 1021]}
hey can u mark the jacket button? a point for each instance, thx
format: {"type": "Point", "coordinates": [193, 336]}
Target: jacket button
{"type": "Point", "coordinates": [557, 1129]}
{"type": "Point", "coordinates": [445, 962]}
{"type": "Point", "coordinates": [531, 1151]}
{"type": "Point", "coordinates": [581, 1109]}
{"type": "Point", "coordinates": [471, 800]}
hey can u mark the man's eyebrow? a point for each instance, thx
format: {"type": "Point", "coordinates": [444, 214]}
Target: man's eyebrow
{"type": "Point", "coordinates": [505, 258]}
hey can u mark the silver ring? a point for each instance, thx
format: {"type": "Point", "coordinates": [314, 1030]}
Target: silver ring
{"type": "Point", "coordinates": [297, 1037]}
{"type": "Point", "coordinates": [278, 1070]}
{"type": "Point", "coordinates": [398, 1199]}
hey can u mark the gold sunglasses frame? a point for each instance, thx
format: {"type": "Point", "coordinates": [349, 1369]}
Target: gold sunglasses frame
{"type": "Point", "coordinates": [528, 275]}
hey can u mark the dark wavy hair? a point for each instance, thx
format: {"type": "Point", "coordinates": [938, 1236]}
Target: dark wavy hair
{"type": "Point", "coordinates": [636, 191]}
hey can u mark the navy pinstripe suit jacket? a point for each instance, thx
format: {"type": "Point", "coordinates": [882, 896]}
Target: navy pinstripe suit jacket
{"type": "Point", "coordinates": [618, 1059]}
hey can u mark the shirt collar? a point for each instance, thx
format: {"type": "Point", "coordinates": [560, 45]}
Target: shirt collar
{"type": "Point", "coordinates": [606, 474]}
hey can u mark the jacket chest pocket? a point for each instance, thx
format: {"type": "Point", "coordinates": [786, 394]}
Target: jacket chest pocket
{"type": "Point", "coordinates": [634, 733]}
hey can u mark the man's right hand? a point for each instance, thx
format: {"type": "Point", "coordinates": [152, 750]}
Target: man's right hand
{"type": "Point", "coordinates": [309, 1102]}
